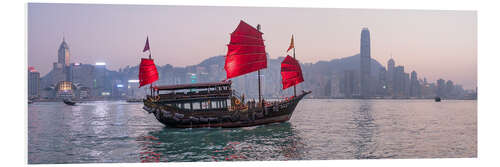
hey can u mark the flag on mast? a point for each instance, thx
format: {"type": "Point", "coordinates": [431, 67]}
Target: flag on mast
{"type": "Point", "coordinates": [291, 45]}
{"type": "Point", "coordinates": [146, 47]}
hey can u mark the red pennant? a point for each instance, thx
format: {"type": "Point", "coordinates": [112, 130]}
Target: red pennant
{"type": "Point", "coordinates": [291, 45]}
{"type": "Point", "coordinates": [146, 47]}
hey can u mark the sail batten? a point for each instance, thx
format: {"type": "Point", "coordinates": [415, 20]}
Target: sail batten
{"type": "Point", "coordinates": [291, 73]}
{"type": "Point", "coordinates": [246, 51]}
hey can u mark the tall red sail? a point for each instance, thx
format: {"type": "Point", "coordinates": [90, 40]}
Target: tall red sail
{"type": "Point", "coordinates": [291, 73]}
{"type": "Point", "coordinates": [245, 52]}
{"type": "Point", "coordinates": [147, 72]}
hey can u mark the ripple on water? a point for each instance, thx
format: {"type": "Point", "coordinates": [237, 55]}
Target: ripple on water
{"type": "Point", "coordinates": [319, 129]}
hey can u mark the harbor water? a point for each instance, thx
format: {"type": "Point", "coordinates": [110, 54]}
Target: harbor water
{"type": "Point", "coordinates": [326, 129]}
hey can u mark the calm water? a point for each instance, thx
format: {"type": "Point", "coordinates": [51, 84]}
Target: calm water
{"type": "Point", "coordinates": [319, 130]}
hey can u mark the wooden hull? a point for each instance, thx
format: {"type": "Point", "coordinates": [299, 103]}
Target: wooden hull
{"type": "Point", "coordinates": [271, 113]}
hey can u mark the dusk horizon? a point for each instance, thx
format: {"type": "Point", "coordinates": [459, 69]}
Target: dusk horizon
{"type": "Point", "coordinates": [418, 39]}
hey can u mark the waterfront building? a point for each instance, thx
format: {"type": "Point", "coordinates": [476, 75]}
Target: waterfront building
{"type": "Point", "coordinates": [381, 88]}
{"type": "Point", "coordinates": [47, 93]}
{"type": "Point", "coordinates": [65, 89]}
{"type": "Point", "coordinates": [33, 83]}
{"type": "Point", "coordinates": [133, 90]}
{"type": "Point", "coordinates": [118, 90]}
{"type": "Point", "coordinates": [350, 84]}
{"type": "Point", "coordinates": [398, 81]}
{"type": "Point", "coordinates": [390, 76]}
{"type": "Point", "coordinates": [415, 90]}
{"type": "Point", "coordinates": [60, 69]}
{"type": "Point", "coordinates": [440, 88]}
{"type": "Point", "coordinates": [84, 93]}
{"type": "Point", "coordinates": [428, 90]}
{"type": "Point", "coordinates": [449, 90]}
{"type": "Point", "coordinates": [102, 83]}
{"type": "Point", "coordinates": [63, 53]}
{"type": "Point", "coordinates": [335, 87]}
{"type": "Point", "coordinates": [63, 57]}
{"type": "Point", "coordinates": [83, 74]}
{"type": "Point", "coordinates": [406, 85]}
{"type": "Point", "coordinates": [365, 63]}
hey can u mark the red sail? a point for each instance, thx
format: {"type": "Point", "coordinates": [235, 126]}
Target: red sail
{"type": "Point", "coordinates": [147, 72]}
{"type": "Point", "coordinates": [246, 52]}
{"type": "Point", "coordinates": [291, 73]}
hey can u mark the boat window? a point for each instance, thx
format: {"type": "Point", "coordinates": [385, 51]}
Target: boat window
{"type": "Point", "coordinates": [187, 106]}
{"type": "Point", "coordinates": [214, 104]}
{"type": "Point", "coordinates": [196, 105]}
{"type": "Point", "coordinates": [204, 105]}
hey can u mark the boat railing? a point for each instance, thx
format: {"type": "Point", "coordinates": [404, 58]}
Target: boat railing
{"type": "Point", "coordinates": [181, 95]}
{"type": "Point", "coordinates": [236, 94]}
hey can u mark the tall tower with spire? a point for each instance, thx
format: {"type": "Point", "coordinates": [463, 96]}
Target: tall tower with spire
{"type": "Point", "coordinates": [391, 64]}
{"type": "Point", "coordinates": [63, 53]}
{"type": "Point", "coordinates": [63, 59]}
{"type": "Point", "coordinates": [365, 64]}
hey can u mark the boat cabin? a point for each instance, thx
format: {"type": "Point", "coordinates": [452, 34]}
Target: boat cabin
{"type": "Point", "coordinates": [196, 97]}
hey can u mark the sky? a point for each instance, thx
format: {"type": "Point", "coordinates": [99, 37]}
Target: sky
{"type": "Point", "coordinates": [434, 43]}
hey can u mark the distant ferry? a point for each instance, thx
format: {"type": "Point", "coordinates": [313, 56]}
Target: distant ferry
{"type": "Point", "coordinates": [215, 104]}
{"type": "Point", "coordinates": [69, 102]}
{"type": "Point", "coordinates": [437, 99]}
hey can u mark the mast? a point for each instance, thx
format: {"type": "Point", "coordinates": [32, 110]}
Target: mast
{"type": "Point", "coordinates": [151, 85]}
{"type": "Point", "coordinates": [258, 74]}
{"type": "Point", "coordinates": [294, 88]}
{"type": "Point", "coordinates": [246, 53]}
{"type": "Point", "coordinates": [147, 71]}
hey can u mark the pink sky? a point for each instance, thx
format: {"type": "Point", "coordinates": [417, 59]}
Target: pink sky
{"type": "Point", "coordinates": [436, 44]}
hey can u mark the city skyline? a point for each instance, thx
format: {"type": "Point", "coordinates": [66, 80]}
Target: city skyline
{"type": "Point", "coordinates": [118, 49]}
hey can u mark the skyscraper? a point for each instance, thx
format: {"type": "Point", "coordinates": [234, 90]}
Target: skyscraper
{"type": "Point", "coordinates": [414, 85]}
{"type": "Point", "coordinates": [381, 89]}
{"type": "Point", "coordinates": [398, 81]}
{"type": "Point", "coordinates": [63, 53]}
{"type": "Point", "coordinates": [390, 75]}
{"type": "Point", "coordinates": [441, 88]}
{"type": "Point", "coordinates": [33, 83]}
{"type": "Point", "coordinates": [63, 59]}
{"type": "Point", "coordinates": [365, 63]}
{"type": "Point", "coordinates": [349, 83]}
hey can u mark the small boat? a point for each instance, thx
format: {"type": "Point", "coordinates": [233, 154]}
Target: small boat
{"type": "Point", "coordinates": [215, 104]}
{"type": "Point", "coordinates": [69, 102]}
{"type": "Point", "coordinates": [437, 99]}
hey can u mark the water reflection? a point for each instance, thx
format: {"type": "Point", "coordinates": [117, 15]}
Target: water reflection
{"type": "Point", "coordinates": [319, 130]}
{"type": "Point", "coordinates": [364, 129]}
{"type": "Point", "coordinates": [268, 142]}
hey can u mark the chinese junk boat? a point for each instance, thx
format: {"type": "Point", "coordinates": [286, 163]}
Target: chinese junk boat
{"type": "Point", "coordinates": [215, 104]}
